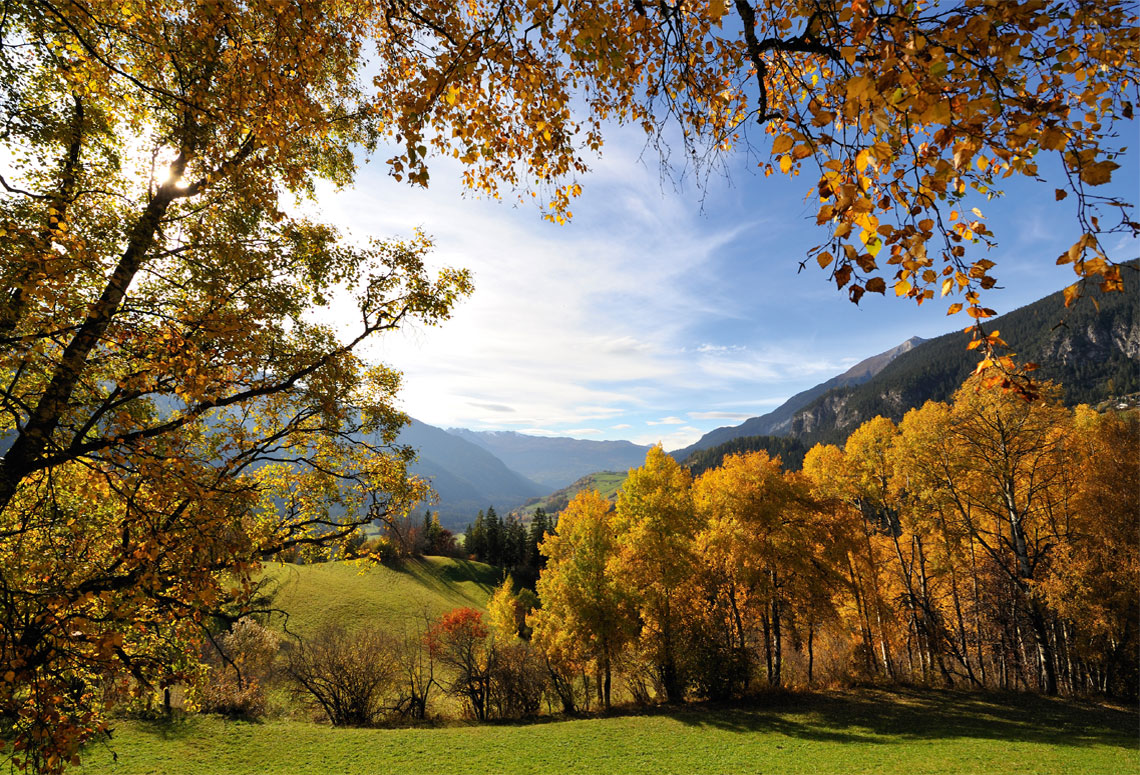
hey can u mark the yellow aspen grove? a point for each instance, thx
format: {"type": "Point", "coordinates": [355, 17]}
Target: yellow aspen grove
{"type": "Point", "coordinates": [1092, 582]}
{"type": "Point", "coordinates": [655, 559]}
{"type": "Point", "coordinates": [767, 567]}
{"type": "Point", "coordinates": [586, 614]}
{"type": "Point", "coordinates": [1008, 486]}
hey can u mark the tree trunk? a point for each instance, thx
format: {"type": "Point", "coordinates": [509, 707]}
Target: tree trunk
{"type": "Point", "coordinates": [776, 638]}
{"type": "Point", "coordinates": [811, 650]}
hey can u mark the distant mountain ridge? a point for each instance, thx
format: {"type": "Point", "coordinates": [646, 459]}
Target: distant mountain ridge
{"type": "Point", "coordinates": [555, 461]}
{"type": "Point", "coordinates": [778, 421]}
{"type": "Point", "coordinates": [465, 476]}
{"type": "Point", "coordinates": [1093, 353]}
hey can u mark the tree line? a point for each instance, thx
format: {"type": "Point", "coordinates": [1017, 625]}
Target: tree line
{"type": "Point", "coordinates": [985, 542]}
{"type": "Point", "coordinates": [509, 543]}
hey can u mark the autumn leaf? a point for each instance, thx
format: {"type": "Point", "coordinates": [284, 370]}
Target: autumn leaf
{"type": "Point", "coordinates": [1098, 174]}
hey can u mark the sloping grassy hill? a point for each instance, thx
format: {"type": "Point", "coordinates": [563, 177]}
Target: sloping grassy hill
{"type": "Point", "coordinates": [905, 732]}
{"type": "Point", "coordinates": [352, 594]}
{"type": "Point", "coordinates": [607, 483]}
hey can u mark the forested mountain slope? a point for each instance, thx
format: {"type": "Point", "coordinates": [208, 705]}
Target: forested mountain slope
{"type": "Point", "coordinates": [1094, 354]}
{"type": "Point", "coordinates": [776, 422]}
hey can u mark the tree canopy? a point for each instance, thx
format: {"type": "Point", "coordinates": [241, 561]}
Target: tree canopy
{"type": "Point", "coordinates": [896, 113]}
{"type": "Point", "coordinates": [175, 404]}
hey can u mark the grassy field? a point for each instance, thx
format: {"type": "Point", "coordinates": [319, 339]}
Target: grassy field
{"type": "Point", "coordinates": [864, 731]}
{"type": "Point", "coordinates": [352, 594]}
{"type": "Point", "coordinates": [607, 483]}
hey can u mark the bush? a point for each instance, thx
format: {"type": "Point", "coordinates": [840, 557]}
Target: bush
{"type": "Point", "coordinates": [518, 680]}
{"type": "Point", "coordinates": [462, 643]}
{"type": "Point", "coordinates": [239, 662]}
{"type": "Point", "coordinates": [347, 674]}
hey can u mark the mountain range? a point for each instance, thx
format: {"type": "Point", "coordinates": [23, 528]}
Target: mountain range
{"type": "Point", "coordinates": [555, 462]}
{"type": "Point", "coordinates": [777, 422]}
{"type": "Point", "coordinates": [1091, 348]}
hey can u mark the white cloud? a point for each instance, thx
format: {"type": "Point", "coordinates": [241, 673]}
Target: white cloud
{"type": "Point", "coordinates": [719, 415]}
{"type": "Point", "coordinates": [714, 348]}
{"type": "Point", "coordinates": [666, 421]}
{"type": "Point", "coordinates": [620, 426]}
{"type": "Point", "coordinates": [681, 437]}
{"type": "Point", "coordinates": [567, 324]}
{"type": "Point", "coordinates": [584, 432]}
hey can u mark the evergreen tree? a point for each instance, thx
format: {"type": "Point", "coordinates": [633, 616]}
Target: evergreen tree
{"type": "Point", "coordinates": [433, 534]}
{"type": "Point", "coordinates": [494, 538]}
{"type": "Point", "coordinates": [475, 539]}
{"type": "Point", "coordinates": [516, 543]}
{"type": "Point", "coordinates": [539, 527]}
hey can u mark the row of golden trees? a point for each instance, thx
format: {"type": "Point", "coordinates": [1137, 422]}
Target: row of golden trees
{"type": "Point", "coordinates": [988, 541]}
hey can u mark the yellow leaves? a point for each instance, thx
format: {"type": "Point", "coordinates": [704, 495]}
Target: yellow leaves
{"type": "Point", "coordinates": [938, 112]}
{"type": "Point", "coordinates": [863, 159]}
{"type": "Point", "coordinates": [782, 144]}
{"type": "Point", "coordinates": [954, 308]}
{"type": "Point", "coordinates": [860, 87]}
{"type": "Point", "coordinates": [902, 288]}
{"type": "Point", "coordinates": [1052, 139]}
{"type": "Point", "coordinates": [785, 164]}
{"type": "Point", "coordinates": [1099, 173]}
{"type": "Point", "coordinates": [824, 259]}
{"type": "Point", "coordinates": [1072, 293]}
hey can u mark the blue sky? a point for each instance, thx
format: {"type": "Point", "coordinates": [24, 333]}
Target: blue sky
{"type": "Point", "coordinates": [661, 311]}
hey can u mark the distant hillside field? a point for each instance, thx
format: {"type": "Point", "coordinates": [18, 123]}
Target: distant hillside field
{"type": "Point", "coordinates": [899, 732]}
{"type": "Point", "coordinates": [607, 483]}
{"type": "Point", "coordinates": [352, 594]}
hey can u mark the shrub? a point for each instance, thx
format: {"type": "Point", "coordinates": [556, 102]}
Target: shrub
{"type": "Point", "coordinates": [461, 642]}
{"type": "Point", "coordinates": [239, 662]}
{"type": "Point", "coordinates": [348, 674]}
{"type": "Point", "coordinates": [518, 680]}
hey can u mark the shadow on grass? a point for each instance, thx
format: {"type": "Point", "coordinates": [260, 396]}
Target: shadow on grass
{"type": "Point", "coordinates": [886, 716]}
{"type": "Point", "coordinates": [180, 726]}
{"type": "Point", "coordinates": [447, 577]}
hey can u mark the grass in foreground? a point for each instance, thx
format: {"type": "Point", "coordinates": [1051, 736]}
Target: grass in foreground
{"type": "Point", "coordinates": [353, 594]}
{"type": "Point", "coordinates": [864, 731]}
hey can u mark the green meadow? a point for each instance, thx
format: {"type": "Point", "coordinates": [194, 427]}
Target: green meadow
{"type": "Point", "coordinates": [859, 731]}
{"type": "Point", "coordinates": [869, 730]}
{"type": "Point", "coordinates": [351, 594]}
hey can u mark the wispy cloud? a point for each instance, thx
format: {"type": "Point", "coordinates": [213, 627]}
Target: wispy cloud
{"type": "Point", "coordinates": [644, 310]}
{"type": "Point", "coordinates": [719, 415]}
{"type": "Point", "coordinates": [492, 407]}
